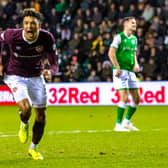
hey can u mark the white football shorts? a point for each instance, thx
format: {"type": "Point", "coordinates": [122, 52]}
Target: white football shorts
{"type": "Point", "coordinates": [32, 88]}
{"type": "Point", "coordinates": [126, 80]}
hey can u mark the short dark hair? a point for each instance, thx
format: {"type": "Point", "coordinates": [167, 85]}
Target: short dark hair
{"type": "Point", "coordinates": [32, 12]}
{"type": "Point", "coordinates": [127, 18]}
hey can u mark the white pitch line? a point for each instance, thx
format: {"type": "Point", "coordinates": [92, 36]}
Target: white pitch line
{"type": "Point", "coordinates": [79, 131]}
{"type": "Point", "coordinates": [65, 132]}
{"type": "Point", "coordinates": [1, 136]}
{"type": "Point", "coordinates": [76, 132]}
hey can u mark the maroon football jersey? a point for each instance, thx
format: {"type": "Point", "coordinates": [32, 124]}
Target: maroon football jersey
{"type": "Point", "coordinates": [26, 57]}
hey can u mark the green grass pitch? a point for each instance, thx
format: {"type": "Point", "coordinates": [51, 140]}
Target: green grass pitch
{"type": "Point", "coordinates": [83, 137]}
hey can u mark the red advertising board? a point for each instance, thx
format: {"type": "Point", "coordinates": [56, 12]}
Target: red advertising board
{"type": "Point", "coordinates": [6, 97]}
{"type": "Point", "coordinates": [101, 93]}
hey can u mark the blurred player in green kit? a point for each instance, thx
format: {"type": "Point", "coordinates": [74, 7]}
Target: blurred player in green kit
{"type": "Point", "coordinates": [122, 53]}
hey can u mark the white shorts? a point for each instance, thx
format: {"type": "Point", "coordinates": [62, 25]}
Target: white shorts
{"type": "Point", "coordinates": [33, 89]}
{"type": "Point", "coordinates": [126, 80]}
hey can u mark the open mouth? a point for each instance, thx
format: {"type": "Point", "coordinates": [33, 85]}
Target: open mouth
{"type": "Point", "coordinates": [30, 33]}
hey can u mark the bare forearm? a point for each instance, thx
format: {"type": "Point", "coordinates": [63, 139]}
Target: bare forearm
{"type": "Point", "coordinates": [53, 61]}
{"type": "Point", "coordinates": [1, 70]}
{"type": "Point", "coordinates": [135, 59]}
{"type": "Point", "coordinates": [113, 58]}
{"type": "Point", "coordinates": [136, 65]}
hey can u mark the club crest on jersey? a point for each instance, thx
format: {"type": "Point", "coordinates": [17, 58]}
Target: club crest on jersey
{"type": "Point", "coordinates": [39, 48]}
{"type": "Point", "coordinates": [133, 41]}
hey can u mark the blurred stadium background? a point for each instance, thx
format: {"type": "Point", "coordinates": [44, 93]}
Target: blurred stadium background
{"type": "Point", "coordinates": [84, 30]}
{"type": "Point", "coordinates": [82, 136]}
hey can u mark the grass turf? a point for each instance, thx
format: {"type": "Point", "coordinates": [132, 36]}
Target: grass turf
{"type": "Point", "coordinates": [67, 149]}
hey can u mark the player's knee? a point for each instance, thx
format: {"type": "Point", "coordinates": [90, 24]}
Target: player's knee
{"type": "Point", "coordinates": [27, 112]}
{"type": "Point", "coordinates": [41, 118]}
{"type": "Point", "coordinates": [125, 99]}
{"type": "Point", "coordinates": [137, 100]}
{"type": "Point", "coordinates": [25, 107]}
{"type": "Point", "coordinates": [123, 95]}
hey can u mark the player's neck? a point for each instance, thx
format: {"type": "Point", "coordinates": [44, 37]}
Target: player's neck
{"type": "Point", "coordinates": [127, 32]}
{"type": "Point", "coordinates": [28, 41]}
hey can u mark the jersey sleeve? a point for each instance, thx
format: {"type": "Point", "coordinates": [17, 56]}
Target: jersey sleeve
{"type": "Point", "coordinates": [116, 41]}
{"type": "Point", "coordinates": [52, 55]}
{"type": "Point", "coordinates": [6, 36]}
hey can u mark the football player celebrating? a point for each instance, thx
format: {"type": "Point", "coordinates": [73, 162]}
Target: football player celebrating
{"type": "Point", "coordinates": [25, 73]}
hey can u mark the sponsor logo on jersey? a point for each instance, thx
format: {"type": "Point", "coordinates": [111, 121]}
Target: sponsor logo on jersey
{"type": "Point", "coordinates": [18, 48]}
{"type": "Point", "coordinates": [128, 48]}
{"type": "Point", "coordinates": [26, 56]}
{"type": "Point", "coordinates": [15, 54]}
{"type": "Point", "coordinates": [39, 48]}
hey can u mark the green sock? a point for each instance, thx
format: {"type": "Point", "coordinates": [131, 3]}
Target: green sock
{"type": "Point", "coordinates": [120, 112]}
{"type": "Point", "coordinates": [130, 112]}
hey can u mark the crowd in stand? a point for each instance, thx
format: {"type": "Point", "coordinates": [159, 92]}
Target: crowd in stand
{"type": "Point", "coordinates": [85, 29]}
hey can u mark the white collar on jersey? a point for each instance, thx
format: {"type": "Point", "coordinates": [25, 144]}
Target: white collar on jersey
{"type": "Point", "coordinates": [29, 42]}
{"type": "Point", "coordinates": [127, 35]}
